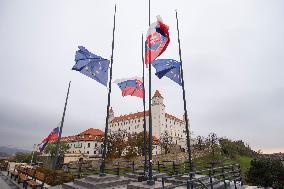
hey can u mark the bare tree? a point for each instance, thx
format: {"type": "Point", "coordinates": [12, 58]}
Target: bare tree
{"type": "Point", "coordinates": [116, 143]}
{"type": "Point", "coordinates": [200, 144]}
{"type": "Point", "coordinates": [212, 143]}
{"type": "Point", "coordinates": [166, 142]}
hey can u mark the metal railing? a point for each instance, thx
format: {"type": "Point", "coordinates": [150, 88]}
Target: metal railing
{"type": "Point", "coordinates": [207, 177]}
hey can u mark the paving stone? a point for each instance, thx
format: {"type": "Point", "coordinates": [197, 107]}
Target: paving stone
{"type": "Point", "coordinates": [144, 185]}
{"type": "Point", "coordinates": [96, 182]}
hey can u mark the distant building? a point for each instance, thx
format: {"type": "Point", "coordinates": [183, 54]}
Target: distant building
{"type": "Point", "coordinates": [162, 122]}
{"type": "Point", "coordinates": [89, 143]}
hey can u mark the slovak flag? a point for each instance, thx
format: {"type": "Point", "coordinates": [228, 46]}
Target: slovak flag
{"type": "Point", "coordinates": [51, 137]}
{"type": "Point", "coordinates": [131, 86]}
{"type": "Point", "coordinates": [157, 40]}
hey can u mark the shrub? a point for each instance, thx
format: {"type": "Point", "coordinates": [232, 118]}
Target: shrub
{"type": "Point", "coordinates": [266, 172]}
{"type": "Point", "coordinates": [56, 177]}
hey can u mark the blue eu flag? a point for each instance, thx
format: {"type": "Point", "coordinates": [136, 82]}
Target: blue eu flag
{"type": "Point", "coordinates": [169, 68]}
{"type": "Point", "coordinates": [91, 65]}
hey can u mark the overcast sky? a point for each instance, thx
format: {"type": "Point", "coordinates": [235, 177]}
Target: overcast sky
{"type": "Point", "coordinates": [233, 57]}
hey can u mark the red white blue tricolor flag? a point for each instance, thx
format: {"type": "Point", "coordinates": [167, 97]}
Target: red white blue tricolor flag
{"type": "Point", "coordinates": [157, 40]}
{"type": "Point", "coordinates": [53, 136]}
{"type": "Point", "coordinates": [131, 86]}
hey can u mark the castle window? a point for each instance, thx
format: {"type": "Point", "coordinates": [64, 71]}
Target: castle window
{"type": "Point", "coordinates": [129, 128]}
{"type": "Point", "coordinates": [88, 152]}
{"type": "Point", "coordinates": [89, 145]}
{"type": "Point", "coordinates": [95, 152]}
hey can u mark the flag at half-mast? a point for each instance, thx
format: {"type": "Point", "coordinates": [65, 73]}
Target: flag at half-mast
{"type": "Point", "coordinates": [169, 68]}
{"type": "Point", "coordinates": [157, 40]}
{"type": "Point", "coordinates": [91, 65]}
{"type": "Point", "coordinates": [53, 136]}
{"type": "Point", "coordinates": [131, 86]}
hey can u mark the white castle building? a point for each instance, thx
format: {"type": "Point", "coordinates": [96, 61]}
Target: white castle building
{"type": "Point", "coordinates": [88, 144]}
{"type": "Point", "coordinates": [162, 123]}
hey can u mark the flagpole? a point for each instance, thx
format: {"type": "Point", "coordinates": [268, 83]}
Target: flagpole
{"type": "Point", "coordinates": [144, 114]}
{"type": "Point", "coordinates": [33, 154]}
{"type": "Point", "coordinates": [102, 168]}
{"type": "Point", "coordinates": [54, 165]}
{"type": "Point", "coordinates": [151, 180]}
{"type": "Point", "coordinates": [185, 109]}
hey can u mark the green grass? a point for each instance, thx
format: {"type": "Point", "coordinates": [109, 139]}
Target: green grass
{"type": "Point", "coordinates": [244, 162]}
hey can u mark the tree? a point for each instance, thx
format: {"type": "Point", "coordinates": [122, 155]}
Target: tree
{"type": "Point", "coordinates": [166, 142]}
{"type": "Point", "coordinates": [228, 148]}
{"type": "Point", "coordinates": [233, 149]}
{"type": "Point", "coordinates": [116, 144]}
{"type": "Point", "coordinates": [266, 172]}
{"type": "Point", "coordinates": [200, 144]}
{"type": "Point", "coordinates": [51, 149]}
{"type": "Point", "coordinates": [132, 148]}
{"type": "Point", "coordinates": [135, 144]}
{"type": "Point", "coordinates": [23, 157]}
{"type": "Point", "coordinates": [213, 144]}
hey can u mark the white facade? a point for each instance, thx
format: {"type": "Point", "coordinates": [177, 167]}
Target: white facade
{"type": "Point", "coordinates": [161, 123]}
{"type": "Point", "coordinates": [90, 148]}
{"type": "Point", "coordinates": [87, 143]}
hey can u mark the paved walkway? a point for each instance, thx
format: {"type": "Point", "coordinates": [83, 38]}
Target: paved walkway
{"type": "Point", "coordinates": [5, 183]}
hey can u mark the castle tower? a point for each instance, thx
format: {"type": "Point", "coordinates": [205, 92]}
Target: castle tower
{"type": "Point", "coordinates": [158, 114]}
{"type": "Point", "coordinates": [111, 115]}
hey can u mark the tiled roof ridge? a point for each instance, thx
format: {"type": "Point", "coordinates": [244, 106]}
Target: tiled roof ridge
{"type": "Point", "coordinates": [92, 131]}
{"type": "Point", "coordinates": [139, 115]}
{"type": "Point", "coordinates": [130, 116]}
{"type": "Point", "coordinates": [173, 117]}
{"type": "Point", "coordinates": [157, 93]}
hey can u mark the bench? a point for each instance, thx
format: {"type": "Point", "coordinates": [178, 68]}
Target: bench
{"type": "Point", "coordinates": [4, 166]}
{"type": "Point", "coordinates": [14, 173]}
{"type": "Point", "coordinates": [25, 175]}
{"type": "Point", "coordinates": [33, 183]}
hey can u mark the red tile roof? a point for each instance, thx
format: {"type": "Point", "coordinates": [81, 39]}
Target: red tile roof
{"type": "Point", "coordinates": [92, 131]}
{"type": "Point", "coordinates": [173, 117]}
{"type": "Point", "coordinates": [157, 93]}
{"type": "Point", "coordinates": [140, 115]}
{"type": "Point", "coordinates": [77, 138]}
{"type": "Point", "coordinates": [156, 141]}
{"type": "Point", "coordinates": [88, 135]}
{"type": "Point", "coordinates": [130, 116]}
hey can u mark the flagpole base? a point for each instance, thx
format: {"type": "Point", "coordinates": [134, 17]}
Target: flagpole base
{"type": "Point", "coordinates": [145, 185]}
{"type": "Point", "coordinates": [102, 174]}
{"type": "Point", "coordinates": [150, 182]}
